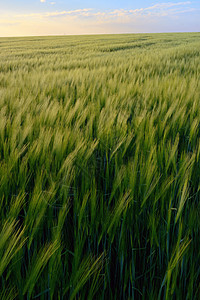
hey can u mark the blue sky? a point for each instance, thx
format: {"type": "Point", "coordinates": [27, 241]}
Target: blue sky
{"type": "Point", "coordinates": [45, 17]}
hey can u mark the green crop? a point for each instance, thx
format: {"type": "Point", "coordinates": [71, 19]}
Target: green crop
{"type": "Point", "coordinates": [100, 167]}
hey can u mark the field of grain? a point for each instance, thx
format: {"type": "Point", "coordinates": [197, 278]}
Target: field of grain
{"type": "Point", "coordinates": [100, 167]}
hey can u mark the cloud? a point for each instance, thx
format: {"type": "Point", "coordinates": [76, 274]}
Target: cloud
{"type": "Point", "coordinates": [168, 5]}
{"type": "Point", "coordinates": [58, 13]}
{"type": "Point", "coordinates": [52, 3]}
{"type": "Point", "coordinates": [42, 1]}
{"type": "Point", "coordinates": [159, 9]}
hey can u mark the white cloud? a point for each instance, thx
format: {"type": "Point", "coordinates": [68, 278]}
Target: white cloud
{"type": "Point", "coordinates": [42, 1]}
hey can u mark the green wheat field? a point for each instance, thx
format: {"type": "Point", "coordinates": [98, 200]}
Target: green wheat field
{"type": "Point", "coordinates": [100, 167]}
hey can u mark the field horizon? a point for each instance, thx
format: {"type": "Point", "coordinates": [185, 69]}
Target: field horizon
{"type": "Point", "coordinates": [99, 34]}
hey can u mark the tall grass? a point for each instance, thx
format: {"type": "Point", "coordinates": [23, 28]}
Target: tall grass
{"type": "Point", "coordinates": [100, 167]}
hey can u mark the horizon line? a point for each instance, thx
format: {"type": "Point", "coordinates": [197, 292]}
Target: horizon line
{"type": "Point", "coordinates": [93, 34]}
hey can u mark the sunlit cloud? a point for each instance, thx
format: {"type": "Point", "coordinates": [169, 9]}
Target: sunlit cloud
{"type": "Point", "coordinates": [57, 13]}
{"type": "Point", "coordinates": [42, 1]}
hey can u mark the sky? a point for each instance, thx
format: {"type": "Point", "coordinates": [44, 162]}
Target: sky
{"type": "Point", "coordinates": [60, 17]}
